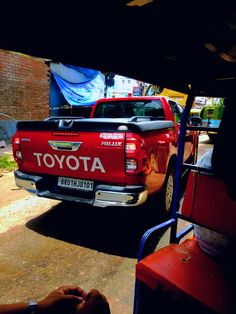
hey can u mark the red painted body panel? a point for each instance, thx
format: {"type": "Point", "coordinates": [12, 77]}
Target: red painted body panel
{"type": "Point", "coordinates": [109, 166]}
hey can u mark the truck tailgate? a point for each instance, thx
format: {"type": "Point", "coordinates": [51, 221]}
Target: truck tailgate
{"type": "Point", "coordinates": [84, 155]}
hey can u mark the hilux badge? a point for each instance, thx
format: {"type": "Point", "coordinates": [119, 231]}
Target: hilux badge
{"type": "Point", "coordinates": [111, 143]}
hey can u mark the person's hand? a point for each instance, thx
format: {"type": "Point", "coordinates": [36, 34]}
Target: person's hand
{"type": "Point", "coordinates": [94, 303]}
{"type": "Point", "coordinates": [62, 300]}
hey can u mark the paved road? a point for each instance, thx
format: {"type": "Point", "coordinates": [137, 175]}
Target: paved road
{"type": "Point", "coordinates": [45, 243]}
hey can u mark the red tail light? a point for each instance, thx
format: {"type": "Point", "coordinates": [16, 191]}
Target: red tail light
{"type": "Point", "coordinates": [130, 147]}
{"type": "Point", "coordinates": [136, 157]}
{"type": "Point", "coordinates": [16, 141]}
{"type": "Point", "coordinates": [16, 149]}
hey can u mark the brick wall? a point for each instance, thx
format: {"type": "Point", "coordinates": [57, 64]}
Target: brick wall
{"type": "Point", "coordinates": [24, 86]}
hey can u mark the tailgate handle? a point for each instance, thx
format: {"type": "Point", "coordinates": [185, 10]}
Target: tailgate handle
{"type": "Point", "coordinates": [65, 124]}
{"type": "Point", "coordinates": [64, 145]}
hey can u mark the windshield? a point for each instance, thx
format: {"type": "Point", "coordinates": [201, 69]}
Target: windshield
{"type": "Point", "coordinates": [130, 108]}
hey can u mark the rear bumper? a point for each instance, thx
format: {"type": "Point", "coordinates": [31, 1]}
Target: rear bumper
{"type": "Point", "coordinates": [102, 196]}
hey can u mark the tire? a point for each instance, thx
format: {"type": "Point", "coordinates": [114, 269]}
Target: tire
{"type": "Point", "coordinates": [168, 191]}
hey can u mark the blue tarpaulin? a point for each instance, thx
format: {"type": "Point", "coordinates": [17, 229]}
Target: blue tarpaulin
{"type": "Point", "coordinates": [79, 86]}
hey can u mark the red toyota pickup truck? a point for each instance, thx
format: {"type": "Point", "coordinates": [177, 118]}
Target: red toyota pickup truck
{"type": "Point", "coordinates": [124, 153]}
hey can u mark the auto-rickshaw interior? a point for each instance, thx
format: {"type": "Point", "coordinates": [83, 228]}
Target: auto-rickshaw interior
{"type": "Point", "coordinates": [182, 45]}
{"type": "Point", "coordinates": [194, 273]}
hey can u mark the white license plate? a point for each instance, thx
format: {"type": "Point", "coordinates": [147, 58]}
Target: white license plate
{"type": "Point", "coordinates": [76, 184]}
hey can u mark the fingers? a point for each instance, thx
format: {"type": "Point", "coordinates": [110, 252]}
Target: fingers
{"type": "Point", "coordinates": [72, 299]}
{"type": "Point", "coordinates": [80, 292]}
{"type": "Point", "coordinates": [72, 290]}
{"type": "Point", "coordinates": [95, 295]}
{"type": "Point", "coordinates": [96, 303]}
{"type": "Point", "coordinates": [92, 303]}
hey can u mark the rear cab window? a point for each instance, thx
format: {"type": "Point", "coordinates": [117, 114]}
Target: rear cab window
{"type": "Point", "coordinates": [128, 109]}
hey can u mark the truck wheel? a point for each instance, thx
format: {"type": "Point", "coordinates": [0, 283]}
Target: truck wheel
{"type": "Point", "coordinates": [168, 191]}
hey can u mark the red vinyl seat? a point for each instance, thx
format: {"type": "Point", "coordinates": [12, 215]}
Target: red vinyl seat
{"type": "Point", "coordinates": [207, 202]}
{"type": "Point", "coordinates": [184, 269]}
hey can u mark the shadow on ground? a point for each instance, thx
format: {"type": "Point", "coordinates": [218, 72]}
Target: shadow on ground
{"type": "Point", "coordinates": [112, 230]}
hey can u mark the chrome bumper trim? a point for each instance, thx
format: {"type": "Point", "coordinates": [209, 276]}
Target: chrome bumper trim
{"type": "Point", "coordinates": [107, 198]}
{"type": "Point", "coordinates": [27, 185]}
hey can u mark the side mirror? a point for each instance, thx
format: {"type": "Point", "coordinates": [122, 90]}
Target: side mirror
{"type": "Point", "coordinates": [195, 121]}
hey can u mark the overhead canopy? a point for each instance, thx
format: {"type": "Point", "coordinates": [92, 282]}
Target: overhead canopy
{"type": "Point", "coordinates": [169, 43]}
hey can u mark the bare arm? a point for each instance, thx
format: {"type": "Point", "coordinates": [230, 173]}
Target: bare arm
{"type": "Point", "coordinates": [19, 308]}
{"type": "Point", "coordinates": [60, 301]}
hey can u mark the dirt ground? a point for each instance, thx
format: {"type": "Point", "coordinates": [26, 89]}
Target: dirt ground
{"type": "Point", "coordinates": [42, 246]}
{"type": "Point", "coordinates": [9, 191]}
